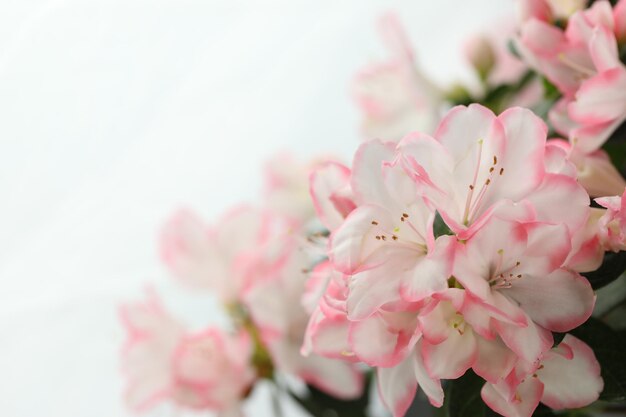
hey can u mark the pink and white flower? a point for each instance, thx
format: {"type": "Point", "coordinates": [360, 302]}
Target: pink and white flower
{"type": "Point", "coordinates": [394, 96]}
{"type": "Point", "coordinates": [224, 258]}
{"type": "Point", "coordinates": [210, 370]}
{"type": "Point", "coordinates": [274, 303]}
{"type": "Point", "coordinates": [567, 376]}
{"type": "Point", "coordinates": [516, 272]}
{"type": "Point", "coordinates": [594, 171]}
{"type": "Point", "coordinates": [478, 162]}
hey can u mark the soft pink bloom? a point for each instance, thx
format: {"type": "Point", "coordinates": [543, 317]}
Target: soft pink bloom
{"type": "Point", "coordinates": [329, 185]}
{"type": "Point", "coordinates": [594, 171]}
{"type": "Point", "coordinates": [583, 62]}
{"type": "Point", "coordinates": [286, 188]}
{"type": "Point", "coordinates": [612, 225]}
{"type": "Point", "coordinates": [599, 106]}
{"type": "Point", "coordinates": [566, 57]}
{"type": "Point", "coordinates": [394, 96]}
{"type": "Point", "coordinates": [567, 376]}
{"type": "Point", "coordinates": [478, 162]}
{"type": "Point", "coordinates": [209, 370]}
{"type": "Point", "coordinates": [386, 244]}
{"type": "Point", "coordinates": [516, 272]}
{"type": "Point", "coordinates": [224, 258]}
{"type": "Point", "coordinates": [274, 303]}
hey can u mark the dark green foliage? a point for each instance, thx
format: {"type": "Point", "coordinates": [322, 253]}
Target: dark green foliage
{"type": "Point", "coordinates": [463, 397]}
{"type": "Point", "coordinates": [440, 227]}
{"type": "Point", "coordinates": [613, 265]}
{"type": "Point", "coordinates": [320, 404]}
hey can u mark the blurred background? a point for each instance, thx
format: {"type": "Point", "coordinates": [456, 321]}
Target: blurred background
{"type": "Point", "coordinates": [115, 113]}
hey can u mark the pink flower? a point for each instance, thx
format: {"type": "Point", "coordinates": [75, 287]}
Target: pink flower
{"type": "Point", "coordinates": [394, 96]}
{"type": "Point", "coordinates": [210, 370]}
{"type": "Point", "coordinates": [329, 186]}
{"type": "Point", "coordinates": [516, 272]}
{"type": "Point", "coordinates": [567, 376]}
{"type": "Point", "coordinates": [286, 188]}
{"type": "Point", "coordinates": [567, 57]}
{"type": "Point", "coordinates": [223, 258]}
{"type": "Point", "coordinates": [478, 162]}
{"type": "Point", "coordinates": [386, 244]}
{"type": "Point", "coordinates": [594, 171]}
{"type": "Point", "coordinates": [274, 303]}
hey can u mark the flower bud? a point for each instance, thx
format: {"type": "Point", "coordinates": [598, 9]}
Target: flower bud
{"type": "Point", "coordinates": [480, 54]}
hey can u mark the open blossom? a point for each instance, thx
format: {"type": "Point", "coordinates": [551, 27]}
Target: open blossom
{"type": "Point", "coordinates": [594, 171]}
{"type": "Point", "coordinates": [329, 186]}
{"type": "Point", "coordinates": [567, 376]}
{"type": "Point", "coordinates": [224, 258]}
{"type": "Point", "coordinates": [565, 57]}
{"type": "Point", "coordinates": [583, 62]}
{"type": "Point", "coordinates": [423, 306]}
{"type": "Point", "coordinates": [515, 269]}
{"type": "Point", "coordinates": [394, 96]}
{"type": "Point", "coordinates": [599, 107]}
{"type": "Point", "coordinates": [209, 370]}
{"type": "Point", "coordinates": [477, 162]}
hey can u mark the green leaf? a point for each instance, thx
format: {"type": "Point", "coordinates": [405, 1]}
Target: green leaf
{"type": "Point", "coordinates": [440, 227]}
{"type": "Point", "coordinates": [609, 347]}
{"type": "Point", "coordinates": [463, 397]}
{"type": "Point", "coordinates": [616, 147]}
{"type": "Point", "coordinates": [613, 265]}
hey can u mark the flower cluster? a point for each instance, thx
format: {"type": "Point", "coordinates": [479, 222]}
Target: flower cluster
{"type": "Point", "coordinates": [459, 254]}
{"type": "Point", "coordinates": [254, 260]}
{"type": "Point", "coordinates": [466, 240]}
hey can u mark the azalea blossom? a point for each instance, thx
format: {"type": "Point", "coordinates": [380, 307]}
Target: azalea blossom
{"type": "Point", "coordinates": [329, 186]}
{"type": "Point", "coordinates": [395, 96]}
{"type": "Point", "coordinates": [222, 259]}
{"type": "Point", "coordinates": [274, 303]}
{"type": "Point", "coordinates": [210, 370]}
{"type": "Point", "coordinates": [594, 171]}
{"type": "Point", "coordinates": [567, 57]}
{"type": "Point", "coordinates": [567, 376]}
{"type": "Point", "coordinates": [515, 269]}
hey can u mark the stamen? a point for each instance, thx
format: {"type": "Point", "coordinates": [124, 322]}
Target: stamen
{"type": "Point", "coordinates": [501, 171]}
{"type": "Point", "coordinates": [374, 222]}
{"type": "Point", "coordinates": [585, 72]}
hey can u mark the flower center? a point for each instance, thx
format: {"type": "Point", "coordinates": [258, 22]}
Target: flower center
{"type": "Point", "coordinates": [504, 277]}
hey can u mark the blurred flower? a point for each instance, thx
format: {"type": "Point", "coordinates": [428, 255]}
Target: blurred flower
{"type": "Point", "coordinates": [394, 96]}
{"type": "Point", "coordinates": [225, 258]}
{"type": "Point", "coordinates": [567, 376]}
{"type": "Point", "coordinates": [209, 370]}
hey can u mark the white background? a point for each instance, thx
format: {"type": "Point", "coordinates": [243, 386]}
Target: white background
{"type": "Point", "coordinates": [115, 113]}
